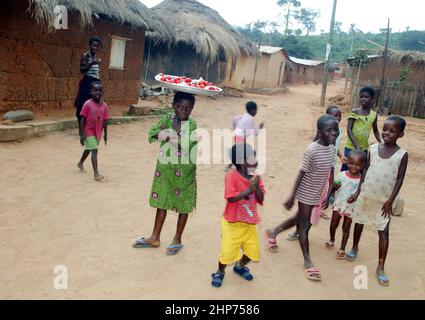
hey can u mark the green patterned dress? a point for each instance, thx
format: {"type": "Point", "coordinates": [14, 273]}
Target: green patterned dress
{"type": "Point", "coordinates": [174, 182]}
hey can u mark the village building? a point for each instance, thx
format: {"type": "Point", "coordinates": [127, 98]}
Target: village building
{"type": "Point", "coordinates": [305, 71]}
{"type": "Point", "coordinates": [203, 44]}
{"type": "Point", "coordinates": [39, 65]}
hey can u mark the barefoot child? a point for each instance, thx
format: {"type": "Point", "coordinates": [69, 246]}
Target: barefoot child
{"type": "Point", "coordinates": [360, 124]}
{"type": "Point", "coordinates": [378, 191]}
{"type": "Point", "coordinates": [244, 126]}
{"type": "Point", "coordinates": [174, 183]}
{"type": "Point", "coordinates": [243, 191]}
{"type": "Point", "coordinates": [345, 186]}
{"type": "Point", "coordinates": [94, 119]}
{"type": "Point", "coordinates": [317, 163]}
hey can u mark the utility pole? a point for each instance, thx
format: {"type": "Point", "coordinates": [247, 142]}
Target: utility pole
{"type": "Point", "coordinates": [256, 60]}
{"type": "Point", "coordinates": [349, 69]}
{"type": "Point", "coordinates": [382, 86]}
{"type": "Point", "coordinates": [328, 52]}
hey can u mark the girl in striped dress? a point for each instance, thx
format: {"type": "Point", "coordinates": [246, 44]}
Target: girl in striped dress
{"type": "Point", "coordinates": [317, 162]}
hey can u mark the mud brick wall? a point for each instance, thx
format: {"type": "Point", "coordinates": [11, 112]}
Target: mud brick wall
{"type": "Point", "coordinates": [40, 70]}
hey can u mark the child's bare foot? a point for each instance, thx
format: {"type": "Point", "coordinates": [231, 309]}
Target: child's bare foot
{"type": "Point", "coordinates": [174, 248]}
{"type": "Point", "coordinates": [146, 243]}
{"type": "Point", "coordinates": [81, 167]}
{"type": "Point", "coordinates": [99, 178]}
{"type": "Point", "coordinates": [330, 244]}
{"type": "Point", "coordinates": [323, 215]}
{"type": "Point", "coordinates": [271, 242]}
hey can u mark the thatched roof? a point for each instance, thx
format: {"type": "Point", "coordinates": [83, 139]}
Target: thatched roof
{"type": "Point", "coordinates": [126, 12]}
{"type": "Point", "coordinates": [204, 29]}
{"type": "Point", "coordinates": [407, 57]}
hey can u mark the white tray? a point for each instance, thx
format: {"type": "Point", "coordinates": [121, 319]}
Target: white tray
{"type": "Point", "coordinates": [187, 89]}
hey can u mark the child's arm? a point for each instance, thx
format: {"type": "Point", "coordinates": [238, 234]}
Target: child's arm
{"type": "Point", "coordinates": [259, 194]}
{"type": "Point", "coordinates": [105, 129]}
{"type": "Point", "coordinates": [291, 200]}
{"type": "Point", "coordinates": [388, 206]}
{"type": "Point", "coordinates": [376, 130]}
{"type": "Point", "coordinates": [354, 197]}
{"type": "Point", "coordinates": [243, 194]}
{"type": "Point", "coordinates": [351, 134]}
{"type": "Point", "coordinates": [331, 188]}
{"type": "Point", "coordinates": [82, 126]}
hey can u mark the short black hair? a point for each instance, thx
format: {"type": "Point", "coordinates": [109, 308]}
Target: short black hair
{"type": "Point", "coordinates": [358, 153]}
{"type": "Point", "coordinates": [400, 120]}
{"type": "Point", "coordinates": [95, 39]}
{"type": "Point", "coordinates": [96, 83]}
{"type": "Point", "coordinates": [179, 96]}
{"type": "Point", "coordinates": [323, 120]}
{"type": "Point", "coordinates": [369, 90]}
{"type": "Point", "coordinates": [332, 109]}
{"type": "Point", "coordinates": [241, 152]}
{"type": "Point", "coordinates": [251, 105]}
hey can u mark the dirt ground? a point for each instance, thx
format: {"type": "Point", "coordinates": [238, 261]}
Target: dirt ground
{"type": "Point", "coordinates": [50, 215]}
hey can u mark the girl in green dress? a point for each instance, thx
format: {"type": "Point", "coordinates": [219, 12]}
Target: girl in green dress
{"type": "Point", "coordinates": [174, 182]}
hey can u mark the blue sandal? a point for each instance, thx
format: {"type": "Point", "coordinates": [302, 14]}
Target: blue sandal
{"type": "Point", "coordinates": [217, 279]}
{"type": "Point", "coordinates": [383, 280]}
{"type": "Point", "coordinates": [351, 256]}
{"type": "Point", "coordinates": [243, 272]}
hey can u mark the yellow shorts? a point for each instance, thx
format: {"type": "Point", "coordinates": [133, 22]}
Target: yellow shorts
{"type": "Point", "coordinates": [238, 239]}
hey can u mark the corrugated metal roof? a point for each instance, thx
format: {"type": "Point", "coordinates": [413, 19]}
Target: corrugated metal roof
{"type": "Point", "coordinates": [270, 50]}
{"type": "Point", "coordinates": [310, 63]}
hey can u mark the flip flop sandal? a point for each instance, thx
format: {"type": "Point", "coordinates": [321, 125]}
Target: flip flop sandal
{"type": "Point", "coordinates": [141, 243]}
{"type": "Point", "coordinates": [244, 273]}
{"type": "Point", "coordinates": [313, 274]}
{"type": "Point", "coordinates": [330, 244]}
{"type": "Point", "coordinates": [271, 244]}
{"type": "Point", "coordinates": [340, 255]}
{"type": "Point", "coordinates": [173, 249]}
{"type": "Point", "coordinates": [293, 237]}
{"type": "Point", "coordinates": [217, 279]}
{"type": "Point", "coordinates": [351, 256]}
{"type": "Point", "coordinates": [383, 280]}
{"type": "Point", "coordinates": [100, 179]}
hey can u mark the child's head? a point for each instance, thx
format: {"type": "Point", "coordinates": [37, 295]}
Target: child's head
{"type": "Point", "coordinates": [95, 44]}
{"type": "Point", "coordinates": [251, 108]}
{"type": "Point", "coordinates": [393, 129]}
{"type": "Point", "coordinates": [96, 90]}
{"type": "Point", "coordinates": [183, 105]}
{"type": "Point", "coordinates": [244, 157]}
{"type": "Point", "coordinates": [327, 129]}
{"type": "Point", "coordinates": [356, 161]}
{"type": "Point", "coordinates": [367, 94]}
{"type": "Point", "coordinates": [334, 111]}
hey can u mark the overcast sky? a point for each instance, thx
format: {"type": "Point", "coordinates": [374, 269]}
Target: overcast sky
{"type": "Point", "coordinates": [368, 15]}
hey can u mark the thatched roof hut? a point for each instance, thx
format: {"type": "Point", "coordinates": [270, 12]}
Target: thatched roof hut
{"type": "Point", "coordinates": [125, 12]}
{"type": "Point", "coordinates": [407, 57]}
{"type": "Point", "coordinates": [201, 27]}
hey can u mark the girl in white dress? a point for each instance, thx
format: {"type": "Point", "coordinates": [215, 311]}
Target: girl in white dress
{"type": "Point", "coordinates": [379, 190]}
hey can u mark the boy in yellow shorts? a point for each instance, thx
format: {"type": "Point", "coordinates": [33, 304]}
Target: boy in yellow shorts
{"type": "Point", "coordinates": [243, 191]}
{"type": "Point", "coordinates": [94, 120]}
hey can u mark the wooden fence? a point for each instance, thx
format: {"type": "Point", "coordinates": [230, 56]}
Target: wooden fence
{"type": "Point", "coordinates": [400, 99]}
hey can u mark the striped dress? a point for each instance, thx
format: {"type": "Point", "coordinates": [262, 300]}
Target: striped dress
{"type": "Point", "coordinates": [317, 162]}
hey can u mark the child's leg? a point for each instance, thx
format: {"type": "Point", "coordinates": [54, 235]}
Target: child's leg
{"type": "Point", "coordinates": [304, 225]}
{"type": "Point", "coordinates": [176, 245]}
{"type": "Point", "coordinates": [346, 232]}
{"type": "Point", "coordinates": [336, 218]}
{"type": "Point", "coordinates": [384, 243]}
{"type": "Point", "coordinates": [94, 163]}
{"type": "Point", "coordinates": [285, 225]}
{"type": "Point", "coordinates": [358, 229]}
{"type": "Point", "coordinates": [85, 155]}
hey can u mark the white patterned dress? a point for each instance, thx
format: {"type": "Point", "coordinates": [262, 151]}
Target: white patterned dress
{"type": "Point", "coordinates": [349, 185]}
{"type": "Point", "coordinates": [377, 188]}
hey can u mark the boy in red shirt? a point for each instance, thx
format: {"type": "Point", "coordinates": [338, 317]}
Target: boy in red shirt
{"type": "Point", "coordinates": [243, 191]}
{"type": "Point", "coordinates": [94, 119]}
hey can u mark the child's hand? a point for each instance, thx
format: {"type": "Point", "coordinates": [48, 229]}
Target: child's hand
{"type": "Point", "coordinates": [82, 139]}
{"type": "Point", "coordinates": [325, 205]}
{"type": "Point", "coordinates": [337, 185]}
{"type": "Point", "coordinates": [344, 160]}
{"type": "Point", "coordinates": [353, 198]}
{"type": "Point", "coordinates": [262, 124]}
{"type": "Point", "coordinates": [289, 204]}
{"type": "Point", "coordinates": [253, 185]}
{"type": "Point", "coordinates": [387, 209]}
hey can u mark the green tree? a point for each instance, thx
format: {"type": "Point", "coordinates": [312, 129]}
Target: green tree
{"type": "Point", "coordinates": [308, 18]}
{"type": "Point", "coordinates": [288, 6]}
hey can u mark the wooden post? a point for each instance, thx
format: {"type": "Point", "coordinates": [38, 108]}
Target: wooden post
{"type": "Point", "coordinates": [382, 86]}
{"type": "Point", "coordinates": [328, 52]}
{"type": "Point", "coordinates": [350, 68]}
